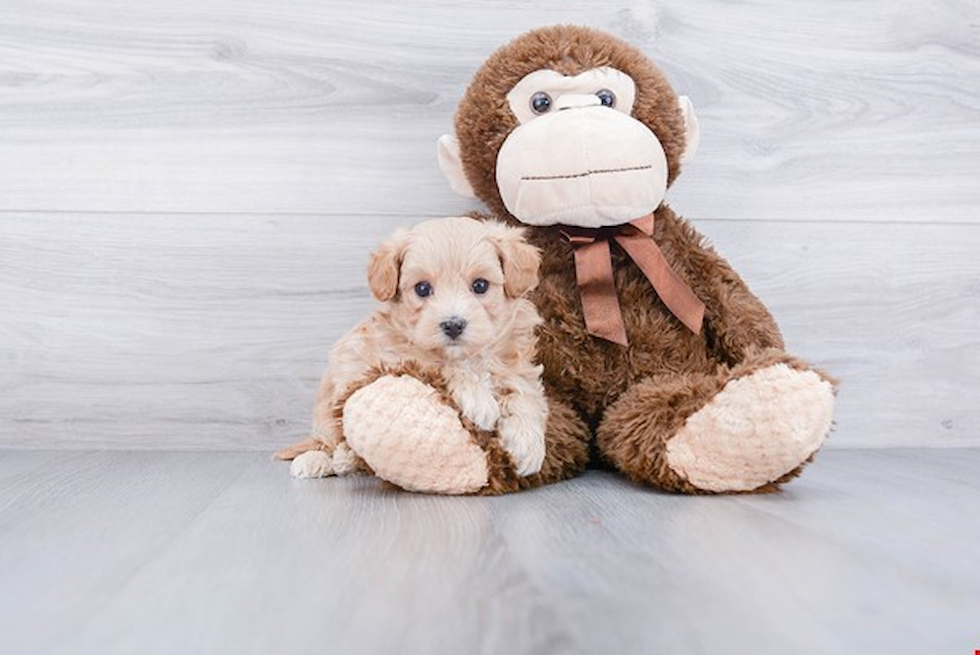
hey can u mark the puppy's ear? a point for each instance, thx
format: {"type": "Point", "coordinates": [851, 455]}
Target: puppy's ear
{"type": "Point", "coordinates": [385, 266]}
{"type": "Point", "coordinates": [519, 259]}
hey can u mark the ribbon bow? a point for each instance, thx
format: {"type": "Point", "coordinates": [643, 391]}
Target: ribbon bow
{"type": "Point", "coordinates": [594, 273]}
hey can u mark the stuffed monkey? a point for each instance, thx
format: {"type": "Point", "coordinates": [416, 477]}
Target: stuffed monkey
{"type": "Point", "coordinates": [658, 360]}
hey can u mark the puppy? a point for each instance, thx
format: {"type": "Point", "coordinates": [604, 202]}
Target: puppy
{"type": "Point", "coordinates": [453, 299]}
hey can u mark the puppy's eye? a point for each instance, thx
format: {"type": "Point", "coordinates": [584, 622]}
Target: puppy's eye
{"type": "Point", "coordinates": [540, 102]}
{"type": "Point", "coordinates": [423, 289]}
{"type": "Point", "coordinates": [606, 97]}
{"type": "Point", "coordinates": [480, 286]}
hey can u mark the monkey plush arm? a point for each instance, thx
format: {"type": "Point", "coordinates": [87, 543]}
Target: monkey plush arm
{"type": "Point", "coordinates": [736, 321]}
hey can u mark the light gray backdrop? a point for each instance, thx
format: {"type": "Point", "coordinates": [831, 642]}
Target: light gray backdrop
{"type": "Point", "coordinates": [189, 191]}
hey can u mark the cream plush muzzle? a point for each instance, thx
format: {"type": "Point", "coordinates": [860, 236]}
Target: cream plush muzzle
{"type": "Point", "coordinates": [602, 168]}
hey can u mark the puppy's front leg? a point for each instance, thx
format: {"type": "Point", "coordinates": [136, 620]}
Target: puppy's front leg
{"type": "Point", "coordinates": [325, 453]}
{"type": "Point", "coordinates": [524, 416]}
{"type": "Point", "coordinates": [473, 393]}
{"type": "Point", "coordinates": [323, 464]}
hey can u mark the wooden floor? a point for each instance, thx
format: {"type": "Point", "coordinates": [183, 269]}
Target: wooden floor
{"type": "Point", "coordinates": [873, 551]}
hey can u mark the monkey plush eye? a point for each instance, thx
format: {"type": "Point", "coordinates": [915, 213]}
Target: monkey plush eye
{"type": "Point", "coordinates": [540, 102]}
{"type": "Point", "coordinates": [480, 286]}
{"type": "Point", "coordinates": [423, 289]}
{"type": "Point", "coordinates": [606, 97]}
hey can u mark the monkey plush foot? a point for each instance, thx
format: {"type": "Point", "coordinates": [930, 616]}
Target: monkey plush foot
{"type": "Point", "coordinates": [757, 429]}
{"type": "Point", "coordinates": [406, 432]}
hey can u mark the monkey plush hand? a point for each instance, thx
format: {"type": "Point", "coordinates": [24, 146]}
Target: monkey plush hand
{"type": "Point", "coordinates": [653, 347]}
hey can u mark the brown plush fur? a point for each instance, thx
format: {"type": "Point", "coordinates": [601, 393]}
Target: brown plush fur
{"type": "Point", "coordinates": [634, 430]}
{"type": "Point", "coordinates": [637, 397]}
{"type": "Point", "coordinates": [595, 372]}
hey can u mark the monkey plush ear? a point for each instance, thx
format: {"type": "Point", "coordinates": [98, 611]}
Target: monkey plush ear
{"type": "Point", "coordinates": [692, 130]}
{"type": "Point", "coordinates": [385, 267]}
{"type": "Point", "coordinates": [452, 166]}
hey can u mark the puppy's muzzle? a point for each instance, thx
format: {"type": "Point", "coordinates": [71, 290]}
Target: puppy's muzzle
{"type": "Point", "coordinates": [453, 327]}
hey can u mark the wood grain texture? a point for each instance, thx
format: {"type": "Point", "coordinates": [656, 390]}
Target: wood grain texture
{"type": "Point", "coordinates": [111, 552]}
{"type": "Point", "coordinates": [211, 332]}
{"type": "Point", "coordinates": [824, 111]}
{"type": "Point", "coordinates": [188, 194]}
{"type": "Point", "coordinates": [189, 190]}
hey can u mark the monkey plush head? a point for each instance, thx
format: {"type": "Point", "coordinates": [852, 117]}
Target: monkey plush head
{"type": "Point", "coordinates": [569, 125]}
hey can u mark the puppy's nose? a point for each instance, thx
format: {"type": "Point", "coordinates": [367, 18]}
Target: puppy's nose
{"type": "Point", "coordinates": [453, 327]}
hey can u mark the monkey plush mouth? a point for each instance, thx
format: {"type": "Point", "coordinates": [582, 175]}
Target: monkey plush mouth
{"type": "Point", "coordinates": [601, 171]}
{"type": "Point", "coordinates": [589, 167]}
{"type": "Point", "coordinates": [609, 193]}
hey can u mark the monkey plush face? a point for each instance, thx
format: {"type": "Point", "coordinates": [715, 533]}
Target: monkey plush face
{"type": "Point", "coordinates": [569, 126]}
{"type": "Point", "coordinates": [578, 156]}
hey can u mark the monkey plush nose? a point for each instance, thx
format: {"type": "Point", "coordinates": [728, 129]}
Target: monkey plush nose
{"type": "Point", "coordinates": [576, 100]}
{"type": "Point", "coordinates": [453, 327]}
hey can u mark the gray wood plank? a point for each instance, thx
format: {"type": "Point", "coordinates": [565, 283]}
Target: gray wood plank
{"type": "Point", "coordinates": [223, 552]}
{"type": "Point", "coordinates": [281, 559]}
{"type": "Point", "coordinates": [122, 330]}
{"type": "Point", "coordinates": [79, 529]}
{"type": "Point", "coordinates": [211, 332]}
{"type": "Point", "coordinates": [24, 477]}
{"type": "Point", "coordinates": [931, 550]}
{"type": "Point", "coordinates": [818, 568]}
{"type": "Point", "coordinates": [807, 111]}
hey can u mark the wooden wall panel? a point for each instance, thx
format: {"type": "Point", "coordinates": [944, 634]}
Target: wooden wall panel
{"type": "Point", "coordinates": [211, 331]}
{"type": "Point", "coordinates": [188, 192]}
{"type": "Point", "coordinates": [823, 111]}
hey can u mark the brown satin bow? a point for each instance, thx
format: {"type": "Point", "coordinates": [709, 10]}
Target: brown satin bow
{"type": "Point", "coordinates": [593, 270]}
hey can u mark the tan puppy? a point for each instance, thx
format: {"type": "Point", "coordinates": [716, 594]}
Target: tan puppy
{"type": "Point", "coordinates": [453, 292]}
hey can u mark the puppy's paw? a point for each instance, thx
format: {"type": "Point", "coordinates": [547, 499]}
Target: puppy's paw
{"type": "Point", "coordinates": [478, 405]}
{"type": "Point", "coordinates": [312, 464]}
{"type": "Point", "coordinates": [524, 442]}
{"type": "Point", "coordinates": [344, 460]}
